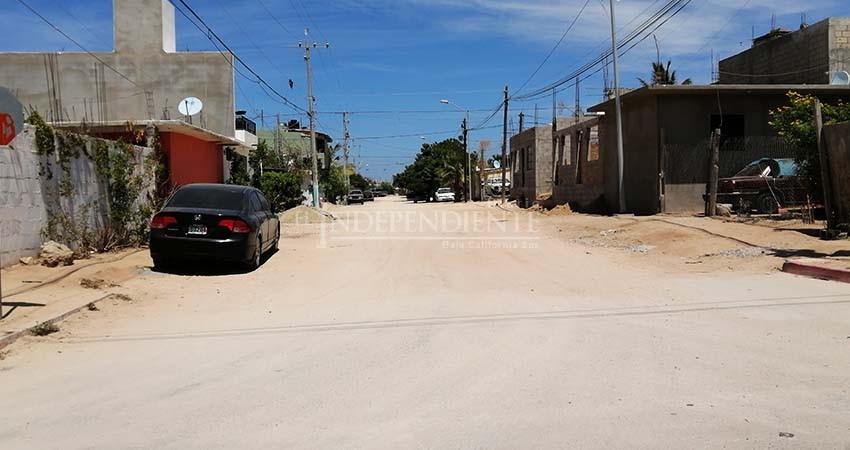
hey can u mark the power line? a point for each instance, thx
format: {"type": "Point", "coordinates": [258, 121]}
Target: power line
{"type": "Point", "coordinates": [659, 18]}
{"type": "Point", "coordinates": [557, 44]}
{"type": "Point", "coordinates": [73, 16]}
{"type": "Point", "coordinates": [212, 34]}
{"type": "Point", "coordinates": [251, 40]}
{"type": "Point", "coordinates": [279, 23]}
{"type": "Point", "coordinates": [428, 133]}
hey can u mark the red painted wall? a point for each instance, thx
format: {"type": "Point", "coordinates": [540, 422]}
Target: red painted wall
{"type": "Point", "coordinates": [191, 160]}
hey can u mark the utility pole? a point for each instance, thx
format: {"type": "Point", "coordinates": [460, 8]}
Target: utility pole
{"type": "Point", "coordinates": [578, 111]}
{"type": "Point", "coordinates": [277, 136]}
{"type": "Point", "coordinates": [713, 174]}
{"type": "Point", "coordinates": [468, 158]}
{"type": "Point", "coordinates": [826, 175]}
{"type": "Point", "coordinates": [619, 113]}
{"type": "Point", "coordinates": [345, 136]}
{"type": "Point", "coordinates": [554, 177]}
{"type": "Point", "coordinates": [481, 167]}
{"type": "Point", "coordinates": [465, 126]}
{"type": "Point", "coordinates": [521, 117]}
{"type": "Point", "coordinates": [504, 145]}
{"type": "Point", "coordinates": [306, 45]}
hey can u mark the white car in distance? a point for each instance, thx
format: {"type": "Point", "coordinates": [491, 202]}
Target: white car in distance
{"type": "Point", "coordinates": [445, 195]}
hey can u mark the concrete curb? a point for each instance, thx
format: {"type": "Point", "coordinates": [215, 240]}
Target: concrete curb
{"type": "Point", "coordinates": [7, 340]}
{"type": "Point", "coordinates": [815, 271]}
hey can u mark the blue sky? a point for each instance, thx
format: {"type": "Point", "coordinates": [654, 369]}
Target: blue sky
{"type": "Point", "coordinates": [406, 55]}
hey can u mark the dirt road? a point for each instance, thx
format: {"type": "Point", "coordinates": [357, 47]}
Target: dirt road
{"type": "Point", "coordinates": [441, 326]}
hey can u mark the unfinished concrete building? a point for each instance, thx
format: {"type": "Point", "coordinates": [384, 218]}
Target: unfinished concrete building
{"type": "Point", "coordinates": [149, 79]}
{"type": "Point", "coordinates": [532, 156]}
{"type": "Point", "coordinates": [810, 55]}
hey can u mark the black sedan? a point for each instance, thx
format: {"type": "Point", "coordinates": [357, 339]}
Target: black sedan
{"type": "Point", "coordinates": [214, 222]}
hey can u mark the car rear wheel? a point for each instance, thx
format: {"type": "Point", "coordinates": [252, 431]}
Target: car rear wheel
{"type": "Point", "coordinates": [766, 204]}
{"type": "Point", "coordinates": [257, 258]}
{"type": "Point", "coordinates": [160, 263]}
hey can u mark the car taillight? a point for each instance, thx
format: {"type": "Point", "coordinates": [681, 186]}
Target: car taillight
{"type": "Point", "coordinates": [161, 222]}
{"type": "Point", "coordinates": [235, 225]}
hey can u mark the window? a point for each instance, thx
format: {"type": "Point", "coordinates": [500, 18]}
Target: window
{"type": "Point", "coordinates": [207, 197]}
{"type": "Point", "coordinates": [732, 131]}
{"type": "Point", "coordinates": [593, 146]}
{"type": "Point", "coordinates": [567, 150]}
{"type": "Point", "coordinates": [264, 202]}
{"type": "Point", "coordinates": [255, 203]}
{"type": "Point", "coordinates": [529, 158]}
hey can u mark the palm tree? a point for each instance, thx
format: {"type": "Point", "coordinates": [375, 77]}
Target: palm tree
{"type": "Point", "coordinates": [662, 75]}
{"type": "Point", "coordinates": [453, 171]}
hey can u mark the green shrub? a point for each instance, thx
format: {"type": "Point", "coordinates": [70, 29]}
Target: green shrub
{"type": "Point", "coordinates": [283, 190]}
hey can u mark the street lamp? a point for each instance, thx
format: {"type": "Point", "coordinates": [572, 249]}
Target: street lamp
{"type": "Point", "coordinates": [465, 147]}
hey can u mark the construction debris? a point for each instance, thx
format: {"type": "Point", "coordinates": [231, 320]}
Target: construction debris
{"type": "Point", "coordinates": [303, 215]}
{"type": "Point", "coordinates": [95, 283]}
{"type": "Point", "coordinates": [560, 210]}
{"type": "Point", "coordinates": [55, 254]}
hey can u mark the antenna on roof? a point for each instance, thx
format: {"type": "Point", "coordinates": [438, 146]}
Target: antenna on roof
{"type": "Point", "coordinates": [190, 106]}
{"type": "Point", "coordinates": [803, 22]}
{"type": "Point", "coordinates": [772, 21]}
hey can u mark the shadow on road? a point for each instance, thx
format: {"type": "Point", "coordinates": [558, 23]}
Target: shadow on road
{"type": "Point", "coordinates": [466, 320]}
{"type": "Point", "coordinates": [15, 305]}
{"type": "Point", "coordinates": [209, 268]}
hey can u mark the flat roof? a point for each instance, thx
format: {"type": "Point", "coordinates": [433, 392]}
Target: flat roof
{"type": "Point", "coordinates": [166, 126]}
{"type": "Point", "coordinates": [695, 89]}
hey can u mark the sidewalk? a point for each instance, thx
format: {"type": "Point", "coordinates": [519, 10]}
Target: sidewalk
{"type": "Point", "coordinates": [38, 294]}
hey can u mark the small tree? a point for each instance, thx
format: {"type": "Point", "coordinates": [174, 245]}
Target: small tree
{"type": "Point", "coordinates": [281, 189]}
{"type": "Point", "coordinates": [795, 124]}
{"type": "Point", "coordinates": [359, 182]}
{"type": "Point", "coordinates": [239, 171]}
{"type": "Point", "coordinates": [333, 184]}
{"type": "Point", "coordinates": [387, 187]}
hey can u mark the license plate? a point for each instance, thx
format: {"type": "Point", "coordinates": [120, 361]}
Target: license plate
{"type": "Point", "coordinates": [197, 229]}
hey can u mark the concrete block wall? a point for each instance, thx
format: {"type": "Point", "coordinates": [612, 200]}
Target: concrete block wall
{"type": "Point", "coordinates": [527, 182]}
{"type": "Point", "coordinates": [805, 56]}
{"type": "Point", "coordinates": [580, 175]}
{"type": "Point", "coordinates": [28, 199]}
{"type": "Point", "coordinates": [21, 200]}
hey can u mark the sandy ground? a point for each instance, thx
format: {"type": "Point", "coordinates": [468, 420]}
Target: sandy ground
{"type": "Point", "coordinates": [447, 326]}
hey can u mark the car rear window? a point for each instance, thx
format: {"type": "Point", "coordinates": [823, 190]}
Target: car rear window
{"type": "Point", "coordinates": [232, 200]}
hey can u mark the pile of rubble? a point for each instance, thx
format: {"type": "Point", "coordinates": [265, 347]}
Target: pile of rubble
{"type": "Point", "coordinates": [51, 254]}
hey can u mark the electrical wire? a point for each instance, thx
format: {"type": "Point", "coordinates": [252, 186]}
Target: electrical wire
{"type": "Point", "coordinates": [557, 44]}
{"type": "Point", "coordinates": [660, 17]}
{"type": "Point", "coordinates": [212, 34]}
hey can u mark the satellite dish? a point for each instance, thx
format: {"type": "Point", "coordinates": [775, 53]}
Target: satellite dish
{"type": "Point", "coordinates": [190, 106]}
{"type": "Point", "coordinates": [497, 164]}
{"type": "Point", "coordinates": [841, 77]}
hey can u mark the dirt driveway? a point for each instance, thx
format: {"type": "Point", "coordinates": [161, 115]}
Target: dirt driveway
{"type": "Point", "coordinates": [444, 326]}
